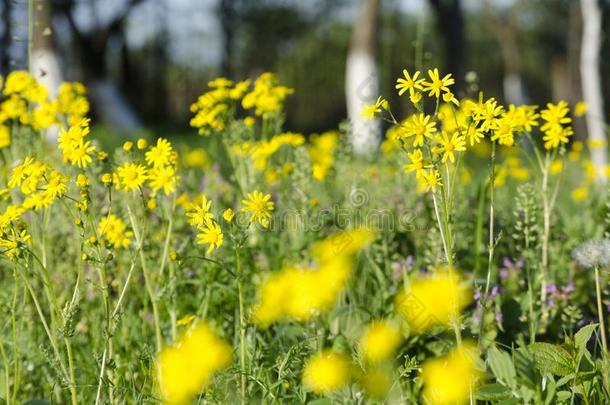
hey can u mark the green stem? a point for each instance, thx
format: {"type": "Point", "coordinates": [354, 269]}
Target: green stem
{"type": "Point", "coordinates": [52, 340]}
{"type": "Point", "coordinates": [73, 395]}
{"type": "Point", "coordinates": [16, 361]}
{"type": "Point", "coordinates": [491, 243]}
{"type": "Point", "coordinates": [147, 280]}
{"type": "Point", "coordinates": [242, 328]}
{"type": "Point", "coordinates": [5, 361]}
{"type": "Point", "coordinates": [602, 326]}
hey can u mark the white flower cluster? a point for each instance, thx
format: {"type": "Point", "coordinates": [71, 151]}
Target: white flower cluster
{"type": "Point", "coordinates": [593, 253]}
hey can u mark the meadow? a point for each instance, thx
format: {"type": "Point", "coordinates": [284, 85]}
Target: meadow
{"type": "Point", "coordinates": [465, 262]}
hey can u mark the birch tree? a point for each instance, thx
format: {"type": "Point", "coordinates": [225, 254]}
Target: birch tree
{"type": "Point", "coordinates": [361, 78]}
{"type": "Point", "coordinates": [592, 85]}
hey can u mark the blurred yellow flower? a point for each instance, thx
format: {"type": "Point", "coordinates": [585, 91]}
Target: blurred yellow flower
{"type": "Point", "coordinates": [449, 380]}
{"type": "Point", "coordinates": [580, 108]}
{"type": "Point", "coordinates": [187, 367]}
{"type": "Point", "coordinates": [434, 300]}
{"type": "Point", "coordinates": [379, 341]}
{"type": "Point", "coordinates": [326, 372]}
{"type": "Point", "coordinates": [228, 215]}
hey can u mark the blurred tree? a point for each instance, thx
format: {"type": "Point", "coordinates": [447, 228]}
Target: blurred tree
{"type": "Point", "coordinates": [450, 23]}
{"type": "Point", "coordinates": [43, 60]}
{"type": "Point", "coordinates": [592, 84]}
{"type": "Point", "coordinates": [505, 32]}
{"type": "Point", "coordinates": [5, 39]}
{"type": "Point", "coordinates": [91, 46]}
{"type": "Point", "coordinates": [361, 77]}
{"type": "Point", "coordinates": [228, 14]}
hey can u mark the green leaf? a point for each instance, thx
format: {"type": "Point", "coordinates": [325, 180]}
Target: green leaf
{"type": "Point", "coordinates": [493, 392]}
{"type": "Point", "coordinates": [551, 358]}
{"type": "Point", "coordinates": [501, 365]}
{"type": "Point", "coordinates": [582, 337]}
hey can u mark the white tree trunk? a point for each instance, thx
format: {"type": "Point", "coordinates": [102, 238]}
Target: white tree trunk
{"type": "Point", "coordinates": [361, 89]}
{"type": "Point", "coordinates": [513, 88]}
{"type": "Point", "coordinates": [45, 68]}
{"type": "Point", "coordinates": [591, 83]}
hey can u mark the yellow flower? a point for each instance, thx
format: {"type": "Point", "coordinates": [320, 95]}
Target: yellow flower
{"type": "Point", "coordinates": [82, 181]}
{"type": "Point", "coordinates": [556, 135]}
{"type": "Point", "coordinates": [160, 154]}
{"type": "Point", "coordinates": [132, 176]}
{"type": "Point", "coordinates": [198, 215]}
{"type": "Point", "coordinates": [326, 372]}
{"type": "Point", "coordinates": [369, 112]}
{"type": "Point", "coordinates": [420, 126]}
{"type": "Point", "coordinates": [12, 213]}
{"type": "Point", "coordinates": [449, 97]}
{"type": "Point", "coordinates": [417, 164]}
{"type": "Point", "coordinates": [431, 301]}
{"type": "Point", "coordinates": [580, 109]}
{"type": "Point", "coordinates": [259, 207]}
{"type": "Point", "coordinates": [188, 366]}
{"type": "Point", "coordinates": [102, 156]}
{"type": "Point", "coordinates": [163, 177]}
{"type": "Point", "coordinates": [321, 153]}
{"type": "Point", "coordinates": [436, 84]}
{"type": "Point", "coordinates": [228, 215]}
{"type": "Point", "coordinates": [197, 158]}
{"type": "Point", "coordinates": [75, 149]}
{"type": "Point", "coordinates": [447, 146]}
{"type": "Point", "coordinates": [107, 178]}
{"type": "Point", "coordinates": [249, 121]}
{"type": "Point", "coordinates": [379, 341]}
{"type": "Point", "coordinates": [114, 231]}
{"type": "Point", "coordinates": [410, 83]}
{"type": "Point", "coordinates": [210, 234]}
{"type": "Point", "coordinates": [450, 379]}
{"type": "Point", "coordinates": [5, 136]}
{"type": "Point", "coordinates": [432, 180]}
{"type": "Point", "coordinates": [555, 167]}
{"type": "Point", "coordinates": [415, 98]}
{"type": "Point", "coordinates": [555, 115]}
{"type": "Point", "coordinates": [127, 146]}
{"type": "Point", "coordinates": [142, 144]}
{"type": "Point", "coordinates": [301, 293]}
{"type": "Point", "coordinates": [474, 134]}
{"type": "Point", "coordinates": [580, 194]}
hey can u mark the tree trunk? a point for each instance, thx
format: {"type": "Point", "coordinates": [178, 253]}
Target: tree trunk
{"type": "Point", "coordinates": [361, 78]}
{"type": "Point", "coordinates": [506, 36]}
{"type": "Point", "coordinates": [591, 83]}
{"type": "Point", "coordinates": [107, 98]}
{"type": "Point", "coordinates": [44, 62]}
{"type": "Point", "coordinates": [5, 40]}
{"type": "Point", "coordinates": [227, 14]}
{"type": "Point", "coordinates": [450, 22]}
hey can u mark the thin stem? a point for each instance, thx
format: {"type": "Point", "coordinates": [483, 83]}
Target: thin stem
{"type": "Point", "coordinates": [242, 328]}
{"type": "Point", "coordinates": [546, 232]}
{"type": "Point", "coordinates": [73, 395]}
{"type": "Point", "coordinates": [440, 226]}
{"type": "Point", "coordinates": [147, 281]}
{"type": "Point", "coordinates": [491, 245]}
{"type": "Point", "coordinates": [602, 326]}
{"type": "Point", "coordinates": [5, 361]}
{"type": "Point", "coordinates": [52, 340]}
{"type": "Point", "coordinates": [16, 356]}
